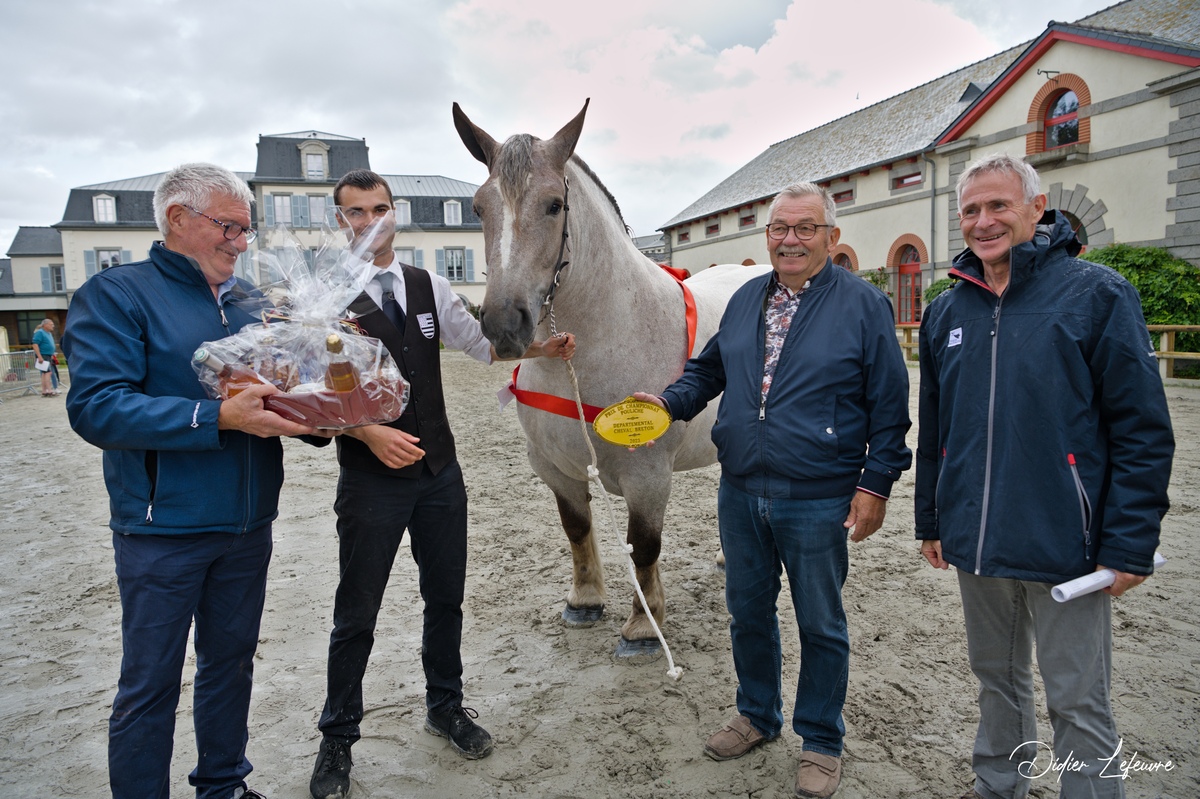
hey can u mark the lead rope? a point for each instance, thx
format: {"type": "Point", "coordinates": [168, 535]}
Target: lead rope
{"type": "Point", "coordinates": [593, 471]}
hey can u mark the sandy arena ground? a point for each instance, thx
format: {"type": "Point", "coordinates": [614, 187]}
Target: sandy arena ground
{"type": "Point", "coordinates": [568, 720]}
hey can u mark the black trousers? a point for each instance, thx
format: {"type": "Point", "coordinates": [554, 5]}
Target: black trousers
{"type": "Point", "coordinates": [373, 512]}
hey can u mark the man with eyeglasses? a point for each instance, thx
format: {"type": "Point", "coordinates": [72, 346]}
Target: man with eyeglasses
{"type": "Point", "coordinates": [810, 437]}
{"type": "Point", "coordinates": [193, 483]}
{"type": "Point", "coordinates": [398, 477]}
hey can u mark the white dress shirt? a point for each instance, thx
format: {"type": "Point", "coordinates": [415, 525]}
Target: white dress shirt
{"type": "Point", "coordinates": [459, 330]}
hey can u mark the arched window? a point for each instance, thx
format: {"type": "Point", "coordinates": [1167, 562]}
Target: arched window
{"type": "Point", "coordinates": [1055, 114]}
{"type": "Point", "coordinates": [843, 260]}
{"type": "Point", "coordinates": [1062, 120]}
{"type": "Point", "coordinates": [906, 256]}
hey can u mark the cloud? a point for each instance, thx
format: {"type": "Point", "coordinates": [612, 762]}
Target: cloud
{"type": "Point", "coordinates": [683, 91]}
{"type": "Point", "coordinates": [709, 132]}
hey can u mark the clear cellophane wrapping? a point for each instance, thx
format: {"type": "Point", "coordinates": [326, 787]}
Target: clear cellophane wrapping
{"type": "Point", "coordinates": [303, 301]}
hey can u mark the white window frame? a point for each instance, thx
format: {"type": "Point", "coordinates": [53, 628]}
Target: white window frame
{"type": "Point", "coordinates": [461, 266]}
{"type": "Point", "coordinates": [406, 255]}
{"type": "Point", "coordinates": [404, 213]}
{"type": "Point", "coordinates": [316, 220]}
{"type": "Point", "coordinates": [452, 213]}
{"type": "Point", "coordinates": [104, 209]}
{"type": "Point", "coordinates": [114, 254]}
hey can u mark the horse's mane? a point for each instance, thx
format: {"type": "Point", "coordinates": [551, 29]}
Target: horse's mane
{"type": "Point", "coordinates": [515, 163]}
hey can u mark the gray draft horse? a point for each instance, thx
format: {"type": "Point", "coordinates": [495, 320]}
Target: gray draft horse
{"type": "Point", "coordinates": [542, 207]}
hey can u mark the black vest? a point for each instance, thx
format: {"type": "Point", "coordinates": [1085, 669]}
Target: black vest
{"type": "Point", "coordinates": [420, 362]}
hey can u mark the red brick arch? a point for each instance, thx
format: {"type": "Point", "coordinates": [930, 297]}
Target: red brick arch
{"type": "Point", "coordinates": [1035, 142]}
{"type": "Point", "coordinates": [848, 251]}
{"type": "Point", "coordinates": [893, 256]}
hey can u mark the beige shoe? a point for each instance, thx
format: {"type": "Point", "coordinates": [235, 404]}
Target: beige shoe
{"type": "Point", "coordinates": [733, 740]}
{"type": "Point", "coordinates": [819, 775]}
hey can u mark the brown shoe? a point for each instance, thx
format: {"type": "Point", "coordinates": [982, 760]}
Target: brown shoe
{"type": "Point", "coordinates": [733, 740]}
{"type": "Point", "coordinates": [819, 775]}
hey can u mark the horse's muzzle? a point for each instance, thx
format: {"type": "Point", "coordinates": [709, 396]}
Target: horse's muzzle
{"type": "Point", "coordinates": [508, 327]}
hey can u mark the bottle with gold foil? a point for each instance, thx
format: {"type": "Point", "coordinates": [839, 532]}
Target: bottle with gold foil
{"type": "Point", "coordinates": [340, 376]}
{"type": "Point", "coordinates": [232, 378]}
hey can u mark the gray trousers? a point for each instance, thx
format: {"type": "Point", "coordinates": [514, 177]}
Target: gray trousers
{"type": "Point", "coordinates": [1074, 650]}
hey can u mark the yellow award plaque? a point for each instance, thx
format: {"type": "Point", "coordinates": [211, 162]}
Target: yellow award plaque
{"type": "Point", "coordinates": [631, 423]}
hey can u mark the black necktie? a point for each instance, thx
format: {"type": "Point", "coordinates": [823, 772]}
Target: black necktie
{"type": "Point", "coordinates": [390, 306]}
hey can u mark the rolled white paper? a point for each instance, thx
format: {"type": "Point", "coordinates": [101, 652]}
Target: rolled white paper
{"type": "Point", "coordinates": [1091, 582]}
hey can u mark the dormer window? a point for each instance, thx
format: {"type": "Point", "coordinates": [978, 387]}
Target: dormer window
{"type": "Point", "coordinates": [404, 214]}
{"type": "Point", "coordinates": [452, 212]}
{"type": "Point", "coordinates": [314, 166]}
{"type": "Point", "coordinates": [314, 159]}
{"type": "Point", "coordinates": [104, 209]}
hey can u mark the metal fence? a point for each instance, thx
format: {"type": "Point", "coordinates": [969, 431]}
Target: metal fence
{"type": "Point", "coordinates": [19, 374]}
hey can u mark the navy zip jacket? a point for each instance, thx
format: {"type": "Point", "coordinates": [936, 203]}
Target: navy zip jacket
{"type": "Point", "coordinates": [130, 335]}
{"type": "Point", "coordinates": [837, 412]}
{"type": "Point", "coordinates": [1044, 445]}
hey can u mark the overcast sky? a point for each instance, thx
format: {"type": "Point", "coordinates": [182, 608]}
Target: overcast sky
{"type": "Point", "coordinates": [684, 92]}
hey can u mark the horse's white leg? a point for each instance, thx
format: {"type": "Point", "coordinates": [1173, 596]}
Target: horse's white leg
{"type": "Point", "coordinates": [647, 504]}
{"type": "Point", "coordinates": [585, 600]}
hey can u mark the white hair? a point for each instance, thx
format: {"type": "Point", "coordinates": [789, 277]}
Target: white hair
{"type": "Point", "coordinates": [1031, 184]}
{"type": "Point", "coordinates": [194, 185]}
{"type": "Point", "coordinates": [805, 189]}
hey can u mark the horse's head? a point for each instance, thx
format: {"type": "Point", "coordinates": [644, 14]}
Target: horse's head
{"type": "Point", "coordinates": [522, 205]}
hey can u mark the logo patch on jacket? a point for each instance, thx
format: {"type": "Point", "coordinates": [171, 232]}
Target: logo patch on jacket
{"type": "Point", "coordinates": [955, 337]}
{"type": "Point", "coordinates": [425, 321]}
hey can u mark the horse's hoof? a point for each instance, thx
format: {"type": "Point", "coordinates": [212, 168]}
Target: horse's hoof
{"type": "Point", "coordinates": [640, 650]}
{"type": "Point", "coordinates": [581, 617]}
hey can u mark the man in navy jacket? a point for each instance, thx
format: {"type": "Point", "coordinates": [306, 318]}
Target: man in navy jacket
{"type": "Point", "coordinates": [1043, 454]}
{"type": "Point", "coordinates": [193, 483]}
{"type": "Point", "coordinates": [810, 437]}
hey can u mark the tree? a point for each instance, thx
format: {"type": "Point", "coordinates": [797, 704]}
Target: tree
{"type": "Point", "coordinates": [1169, 287]}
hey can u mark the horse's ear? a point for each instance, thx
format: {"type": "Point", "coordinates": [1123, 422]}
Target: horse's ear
{"type": "Point", "coordinates": [563, 143]}
{"type": "Point", "coordinates": [478, 142]}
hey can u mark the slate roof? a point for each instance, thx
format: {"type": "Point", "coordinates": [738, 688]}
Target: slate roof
{"type": "Point", "coordinates": [36, 241]}
{"type": "Point", "coordinates": [279, 156]}
{"type": "Point", "coordinates": [135, 207]}
{"type": "Point", "coordinates": [909, 123]}
{"type": "Point", "coordinates": [6, 284]}
{"type": "Point", "coordinates": [429, 186]}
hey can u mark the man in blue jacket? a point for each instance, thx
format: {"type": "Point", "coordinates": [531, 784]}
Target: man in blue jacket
{"type": "Point", "coordinates": [810, 437]}
{"type": "Point", "coordinates": [1043, 454]}
{"type": "Point", "coordinates": [193, 483]}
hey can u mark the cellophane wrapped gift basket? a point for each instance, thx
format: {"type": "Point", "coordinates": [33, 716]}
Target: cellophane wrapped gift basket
{"type": "Point", "coordinates": [329, 374]}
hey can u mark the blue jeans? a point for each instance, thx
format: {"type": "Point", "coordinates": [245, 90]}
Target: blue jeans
{"type": "Point", "coordinates": [760, 537]}
{"type": "Point", "coordinates": [166, 581]}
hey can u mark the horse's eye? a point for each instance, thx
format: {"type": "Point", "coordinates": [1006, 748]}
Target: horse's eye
{"type": "Point", "coordinates": [554, 208]}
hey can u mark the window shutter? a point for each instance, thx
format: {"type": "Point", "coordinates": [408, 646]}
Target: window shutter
{"type": "Point", "coordinates": [48, 287]}
{"type": "Point", "coordinates": [89, 263]}
{"type": "Point", "coordinates": [269, 208]}
{"type": "Point", "coordinates": [300, 211]}
{"type": "Point", "coordinates": [419, 257]}
{"type": "Point", "coordinates": [126, 257]}
{"type": "Point", "coordinates": [441, 262]}
{"type": "Point", "coordinates": [470, 265]}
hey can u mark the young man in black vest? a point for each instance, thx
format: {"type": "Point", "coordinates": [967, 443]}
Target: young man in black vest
{"type": "Point", "coordinates": [397, 476]}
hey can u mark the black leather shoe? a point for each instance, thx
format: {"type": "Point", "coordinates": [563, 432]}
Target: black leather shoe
{"type": "Point", "coordinates": [472, 741]}
{"type": "Point", "coordinates": [331, 774]}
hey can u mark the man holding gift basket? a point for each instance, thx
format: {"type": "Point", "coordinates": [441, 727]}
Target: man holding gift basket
{"type": "Point", "coordinates": [397, 476]}
{"type": "Point", "coordinates": [193, 482]}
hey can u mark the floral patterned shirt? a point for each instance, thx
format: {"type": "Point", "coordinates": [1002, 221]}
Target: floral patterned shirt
{"type": "Point", "coordinates": [781, 307]}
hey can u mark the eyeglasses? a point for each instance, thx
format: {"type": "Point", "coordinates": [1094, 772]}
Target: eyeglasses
{"type": "Point", "coordinates": [804, 231]}
{"type": "Point", "coordinates": [232, 229]}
